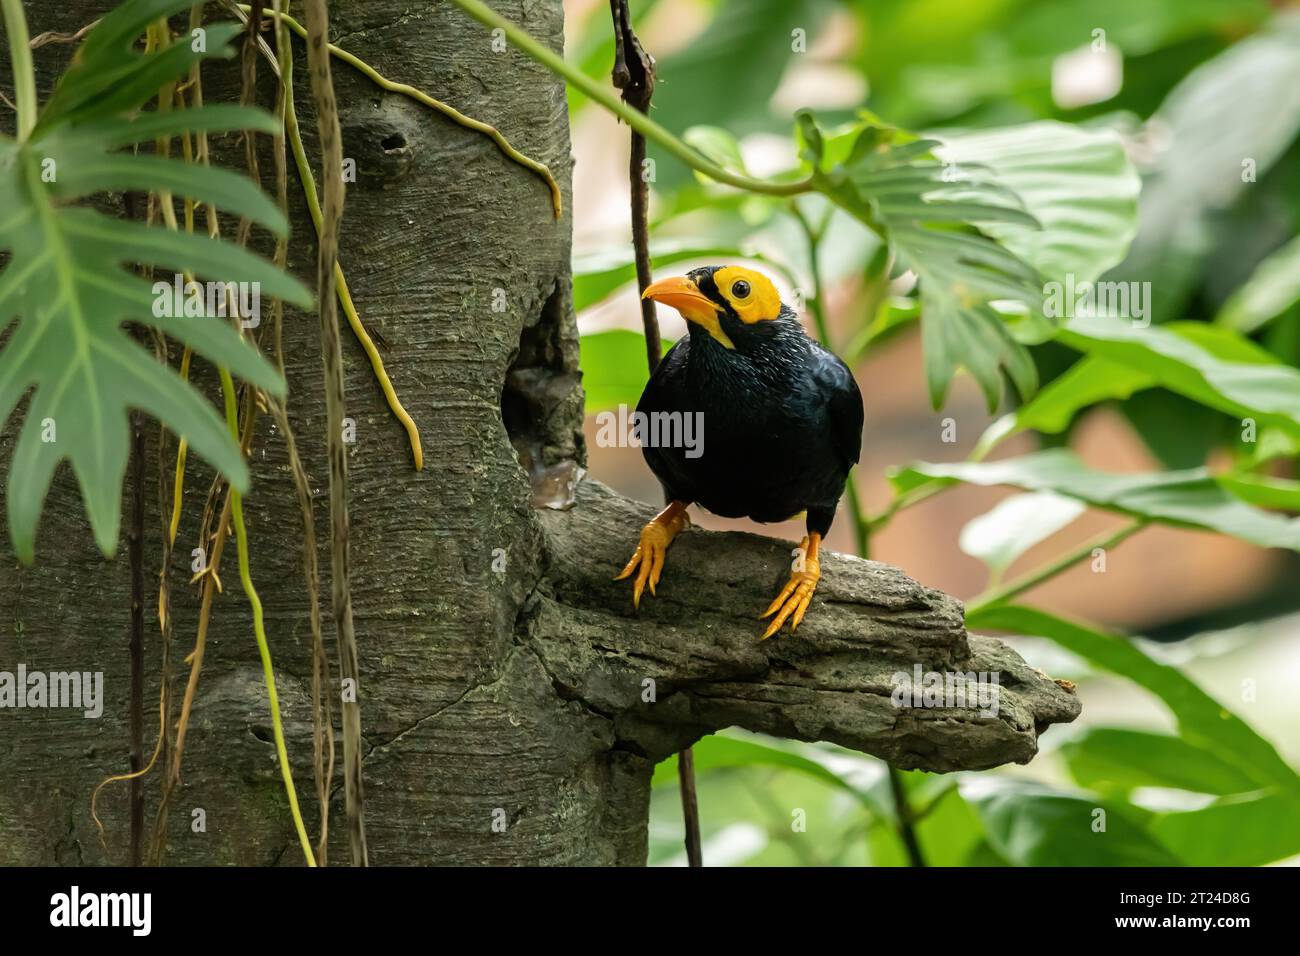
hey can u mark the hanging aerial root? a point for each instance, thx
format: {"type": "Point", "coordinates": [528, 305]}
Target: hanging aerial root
{"type": "Point", "coordinates": [453, 114]}
{"type": "Point", "coordinates": [344, 295]}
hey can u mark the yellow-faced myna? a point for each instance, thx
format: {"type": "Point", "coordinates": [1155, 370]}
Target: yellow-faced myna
{"type": "Point", "coordinates": [781, 416]}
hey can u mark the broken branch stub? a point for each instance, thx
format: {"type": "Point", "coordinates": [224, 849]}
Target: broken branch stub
{"type": "Point", "coordinates": [690, 662]}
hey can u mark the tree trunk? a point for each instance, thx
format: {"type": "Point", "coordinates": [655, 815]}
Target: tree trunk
{"type": "Point", "coordinates": [504, 677]}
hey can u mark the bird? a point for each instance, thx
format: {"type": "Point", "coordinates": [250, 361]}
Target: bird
{"type": "Point", "coordinates": [781, 421]}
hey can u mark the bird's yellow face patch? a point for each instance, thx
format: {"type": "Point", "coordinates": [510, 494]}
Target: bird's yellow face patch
{"type": "Point", "coordinates": [751, 294]}
{"type": "Point", "coordinates": [685, 296]}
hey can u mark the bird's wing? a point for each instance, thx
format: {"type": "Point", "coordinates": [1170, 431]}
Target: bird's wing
{"type": "Point", "coordinates": [843, 402]}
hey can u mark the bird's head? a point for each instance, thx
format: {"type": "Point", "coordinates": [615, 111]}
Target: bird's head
{"type": "Point", "coordinates": [732, 304]}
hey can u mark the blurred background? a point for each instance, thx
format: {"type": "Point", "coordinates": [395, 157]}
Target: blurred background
{"type": "Point", "coordinates": [1178, 80]}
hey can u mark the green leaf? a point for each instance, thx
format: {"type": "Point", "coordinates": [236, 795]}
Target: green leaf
{"type": "Point", "coordinates": [1077, 183]}
{"type": "Point", "coordinates": [1168, 356]}
{"type": "Point", "coordinates": [1282, 494]}
{"type": "Point", "coordinates": [1202, 720]}
{"type": "Point", "coordinates": [117, 31]}
{"type": "Point", "coordinates": [1119, 759]}
{"type": "Point", "coordinates": [927, 210]}
{"type": "Point", "coordinates": [614, 370]}
{"type": "Point", "coordinates": [1269, 292]}
{"type": "Point", "coordinates": [81, 175]}
{"type": "Point", "coordinates": [1087, 382]}
{"type": "Point", "coordinates": [115, 133]}
{"type": "Point", "coordinates": [1029, 824]}
{"type": "Point", "coordinates": [1214, 129]}
{"type": "Point", "coordinates": [113, 240]}
{"type": "Point", "coordinates": [1190, 498]}
{"type": "Point", "coordinates": [1016, 524]}
{"type": "Point", "coordinates": [718, 145]}
{"type": "Point", "coordinates": [92, 89]}
{"type": "Point", "coordinates": [69, 285]}
{"type": "Point", "coordinates": [1211, 365]}
{"type": "Point", "coordinates": [1240, 830]}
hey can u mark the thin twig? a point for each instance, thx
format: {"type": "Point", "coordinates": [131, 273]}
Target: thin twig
{"type": "Point", "coordinates": [906, 820]}
{"type": "Point", "coordinates": [53, 36]}
{"type": "Point", "coordinates": [634, 76]}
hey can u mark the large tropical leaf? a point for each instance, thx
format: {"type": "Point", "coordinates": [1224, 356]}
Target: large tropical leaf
{"type": "Point", "coordinates": [1271, 291]}
{"type": "Point", "coordinates": [1202, 721]}
{"type": "Point", "coordinates": [1078, 184]}
{"type": "Point", "coordinates": [1117, 759]}
{"type": "Point", "coordinates": [928, 211]}
{"type": "Point", "coordinates": [1212, 365]}
{"type": "Point", "coordinates": [1190, 498]}
{"type": "Point", "coordinates": [1030, 824]}
{"type": "Point", "coordinates": [1217, 137]}
{"type": "Point", "coordinates": [1014, 525]}
{"type": "Point", "coordinates": [70, 283]}
{"type": "Point", "coordinates": [614, 370]}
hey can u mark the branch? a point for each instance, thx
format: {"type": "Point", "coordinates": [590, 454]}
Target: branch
{"type": "Point", "coordinates": [698, 641]}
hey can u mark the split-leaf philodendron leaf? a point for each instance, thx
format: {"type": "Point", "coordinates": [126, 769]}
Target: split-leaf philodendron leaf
{"type": "Point", "coordinates": [70, 284]}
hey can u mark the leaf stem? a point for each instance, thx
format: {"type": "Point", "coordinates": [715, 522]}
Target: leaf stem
{"type": "Point", "coordinates": [634, 118]}
{"type": "Point", "coordinates": [1034, 578]}
{"type": "Point", "coordinates": [20, 55]}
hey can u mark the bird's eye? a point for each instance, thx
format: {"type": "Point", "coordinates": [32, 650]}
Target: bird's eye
{"type": "Point", "coordinates": [740, 289]}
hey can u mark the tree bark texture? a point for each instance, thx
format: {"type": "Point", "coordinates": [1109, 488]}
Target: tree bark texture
{"type": "Point", "coordinates": [503, 673]}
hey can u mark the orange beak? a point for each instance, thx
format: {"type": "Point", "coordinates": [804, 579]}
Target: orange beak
{"type": "Point", "coordinates": [685, 296]}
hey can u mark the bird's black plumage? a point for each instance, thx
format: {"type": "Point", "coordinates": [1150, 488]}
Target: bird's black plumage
{"type": "Point", "coordinates": [782, 418]}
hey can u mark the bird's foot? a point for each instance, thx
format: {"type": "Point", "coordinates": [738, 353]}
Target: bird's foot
{"type": "Point", "coordinates": [648, 559]}
{"type": "Point", "coordinates": [798, 591]}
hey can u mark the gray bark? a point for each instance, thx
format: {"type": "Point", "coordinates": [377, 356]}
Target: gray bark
{"type": "Point", "coordinates": [485, 693]}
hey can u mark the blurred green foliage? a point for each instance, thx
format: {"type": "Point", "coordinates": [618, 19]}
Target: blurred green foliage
{"type": "Point", "coordinates": [1182, 184]}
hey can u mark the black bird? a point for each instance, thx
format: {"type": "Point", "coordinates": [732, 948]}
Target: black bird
{"type": "Point", "coordinates": [779, 416]}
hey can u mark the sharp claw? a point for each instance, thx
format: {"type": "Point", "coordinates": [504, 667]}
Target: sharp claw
{"type": "Point", "coordinates": [630, 566]}
{"type": "Point", "coordinates": [780, 598]}
{"type": "Point", "coordinates": [792, 603]}
{"type": "Point", "coordinates": [642, 575]}
{"type": "Point", "coordinates": [656, 567]}
{"type": "Point", "coordinates": [804, 601]}
{"type": "Point", "coordinates": [651, 552]}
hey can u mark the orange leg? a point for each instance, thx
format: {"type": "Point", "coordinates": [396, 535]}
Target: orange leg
{"type": "Point", "coordinates": [798, 591]}
{"type": "Point", "coordinates": [656, 536]}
